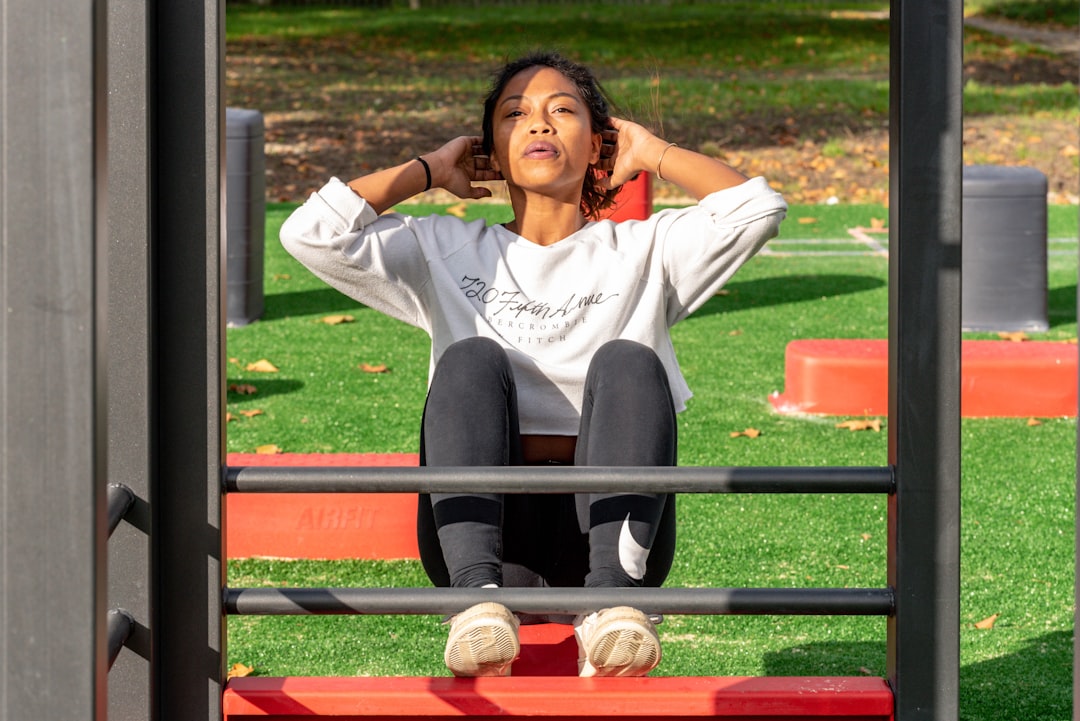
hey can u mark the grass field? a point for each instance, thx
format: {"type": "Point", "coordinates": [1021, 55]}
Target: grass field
{"type": "Point", "coordinates": [796, 91]}
{"type": "Point", "coordinates": [348, 90]}
{"type": "Point", "coordinates": [1017, 482]}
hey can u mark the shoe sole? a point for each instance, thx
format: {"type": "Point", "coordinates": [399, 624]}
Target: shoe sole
{"type": "Point", "coordinates": [483, 642]}
{"type": "Point", "coordinates": [623, 643]}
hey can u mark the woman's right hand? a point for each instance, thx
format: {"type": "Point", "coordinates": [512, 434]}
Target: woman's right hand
{"type": "Point", "coordinates": [460, 163]}
{"type": "Point", "coordinates": [454, 167]}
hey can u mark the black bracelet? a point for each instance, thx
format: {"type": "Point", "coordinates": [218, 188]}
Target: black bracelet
{"type": "Point", "coordinates": [427, 172]}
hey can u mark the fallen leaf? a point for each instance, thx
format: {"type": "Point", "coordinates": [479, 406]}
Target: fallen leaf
{"type": "Point", "coordinates": [458, 210]}
{"type": "Point", "coordinates": [282, 276]}
{"type": "Point", "coordinates": [866, 424]}
{"type": "Point", "coordinates": [987, 623]}
{"type": "Point", "coordinates": [749, 433]}
{"type": "Point", "coordinates": [235, 361]}
{"type": "Point", "coordinates": [735, 332]}
{"type": "Point", "coordinates": [239, 670]}
{"type": "Point", "coordinates": [866, 536]}
{"type": "Point", "coordinates": [723, 291]}
{"type": "Point", "coordinates": [1017, 337]}
{"type": "Point", "coordinates": [336, 319]}
{"type": "Point", "coordinates": [378, 368]}
{"type": "Point", "coordinates": [1034, 422]}
{"type": "Point", "coordinates": [268, 450]}
{"type": "Point", "coordinates": [261, 366]}
{"type": "Point", "coordinates": [807, 221]}
{"type": "Point", "coordinates": [877, 223]}
{"type": "Point", "coordinates": [251, 413]}
{"type": "Point", "coordinates": [866, 672]}
{"type": "Point", "coordinates": [229, 417]}
{"type": "Point", "coordinates": [243, 389]}
{"type": "Point", "coordinates": [1070, 151]}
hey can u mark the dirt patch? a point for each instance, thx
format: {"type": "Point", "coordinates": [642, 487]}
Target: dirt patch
{"type": "Point", "coordinates": [352, 125]}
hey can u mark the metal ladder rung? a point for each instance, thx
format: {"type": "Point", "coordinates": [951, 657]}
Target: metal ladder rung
{"type": "Point", "coordinates": [561, 479]}
{"type": "Point", "coordinates": [569, 601]}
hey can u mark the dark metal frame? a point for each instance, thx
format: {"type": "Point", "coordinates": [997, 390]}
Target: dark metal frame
{"type": "Point", "coordinates": [925, 194]}
{"type": "Point", "coordinates": [138, 401]}
{"type": "Point", "coordinates": [53, 360]}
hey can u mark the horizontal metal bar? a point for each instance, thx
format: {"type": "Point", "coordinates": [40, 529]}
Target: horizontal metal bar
{"type": "Point", "coordinates": [119, 625]}
{"type": "Point", "coordinates": [119, 499]}
{"type": "Point", "coordinates": [566, 601]}
{"type": "Point", "coordinates": [560, 479]}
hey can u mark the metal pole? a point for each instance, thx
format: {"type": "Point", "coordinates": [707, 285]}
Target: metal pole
{"type": "Point", "coordinates": [120, 500]}
{"type": "Point", "coordinates": [560, 479]}
{"type": "Point", "coordinates": [120, 625]}
{"type": "Point", "coordinates": [53, 392]}
{"type": "Point", "coordinates": [187, 152]}
{"type": "Point", "coordinates": [131, 433]}
{"type": "Point", "coordinates": [924, 355]}
{"type": "Point", "coordinates": [566, 601]}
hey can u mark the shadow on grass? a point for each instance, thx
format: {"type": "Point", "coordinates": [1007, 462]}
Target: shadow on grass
{"type": "Point", "coordinates": [307, 302]}
{"type": "Point", "coordinates": [1033, 683]}
{"type": "Point", "coordinates": [264, 388]}
{"type": "Point", "coordinates": [842, 658]}
{"type": "Point", "coordinates": [763, 292]}
{"type": "Point", "coordinates": [1061, 304]}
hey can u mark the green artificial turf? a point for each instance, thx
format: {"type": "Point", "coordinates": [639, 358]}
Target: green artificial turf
{"type": "Point", "coordinates": [1018, 481]}
{"type": "Point", "coordinates": [765, 62]}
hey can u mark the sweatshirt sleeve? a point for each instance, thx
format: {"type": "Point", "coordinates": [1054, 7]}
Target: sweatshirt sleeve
{"type": "Point", "coordinates": [376, 260]}
{"type": "Point", "coordinates": [702, 246]}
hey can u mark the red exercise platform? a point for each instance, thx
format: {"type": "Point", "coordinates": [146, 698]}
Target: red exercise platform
{"type": "Point", "coordinates": [330, 526]}
{"type": "Point", "coordinates": [400, 698]}
{"type": "Point", "coordinates": [544, 678]}
{"type": "Point", "coordinates": [634, 201]}
{"type": "Point", "coordinates": [544, 682]}
{"type": "Point", "coordinates": [998, 378]}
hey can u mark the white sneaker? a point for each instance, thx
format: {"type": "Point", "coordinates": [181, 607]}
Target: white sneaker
{"type": "Point", "coordinates": [483, 641]}
{"type": "Point", "coordinates": [619, 641]}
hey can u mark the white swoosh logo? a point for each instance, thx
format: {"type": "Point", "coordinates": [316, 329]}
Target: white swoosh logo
{"type": "Point", "coordinates": [632, 555]}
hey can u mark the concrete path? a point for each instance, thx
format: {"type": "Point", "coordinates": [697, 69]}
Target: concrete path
{"type": "Point", "coordinates": [1065, 42]}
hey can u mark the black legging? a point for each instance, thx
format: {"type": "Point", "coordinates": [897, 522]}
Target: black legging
{"type": "Point", "coordinates": [471, 419]}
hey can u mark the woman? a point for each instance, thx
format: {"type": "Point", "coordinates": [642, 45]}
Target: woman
{"type": "Point", "coordinates": [550, 340]}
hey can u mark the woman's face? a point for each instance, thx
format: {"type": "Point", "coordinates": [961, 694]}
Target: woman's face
{"type": "Point", "coordinates": [542, 133]}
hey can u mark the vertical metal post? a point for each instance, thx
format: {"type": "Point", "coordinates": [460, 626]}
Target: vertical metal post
{"type": "Point", "coordinates": [131, 424]}
{"type": "Point", "coordinates": [187, 150]}
{"type": "Point", "coordinates": [52, 360]}
{"type": "Point", "coordinates": [924, 357]}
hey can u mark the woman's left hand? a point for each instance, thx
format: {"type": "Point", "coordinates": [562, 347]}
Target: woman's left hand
{"type": "Point", "coordinates": [637, 150]}
{"type": "Point", "coordinates": [626, 151]}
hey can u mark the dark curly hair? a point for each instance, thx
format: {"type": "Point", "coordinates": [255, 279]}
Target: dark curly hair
{"type": "Point", "coordinates": [594, 196]}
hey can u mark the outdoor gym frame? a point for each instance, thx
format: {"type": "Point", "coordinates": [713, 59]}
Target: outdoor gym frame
{"type": "Point", "coordinates": [111, 367]}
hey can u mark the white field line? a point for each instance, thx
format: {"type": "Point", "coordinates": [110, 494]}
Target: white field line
{"type": "Point", "coordinates": [874, 242]}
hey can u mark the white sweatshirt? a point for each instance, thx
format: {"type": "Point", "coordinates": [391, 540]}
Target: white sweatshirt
{"type": "Point", "coordinates": [551, 307]}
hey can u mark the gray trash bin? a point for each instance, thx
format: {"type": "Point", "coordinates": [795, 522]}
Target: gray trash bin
{"type": "Point", "coordinates": [1004, 274]}
{"type": "Point", "coordinates": [245, 215]}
